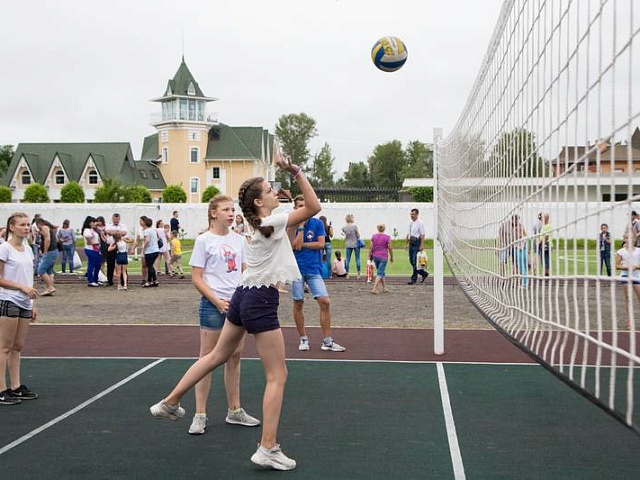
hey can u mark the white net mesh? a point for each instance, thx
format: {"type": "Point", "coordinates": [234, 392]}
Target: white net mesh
{"type": "Point", "coordinates": [551, 128]}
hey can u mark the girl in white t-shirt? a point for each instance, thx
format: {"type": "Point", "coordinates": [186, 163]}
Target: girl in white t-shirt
{"type": "Point", "coordinates": [218, 260]}
{"type": "Point", "coordinates": [628, 261]}
{"type": "Point", "coordinates": [16, 306]}
{"type": "Point", "coordinates": [254, 307]}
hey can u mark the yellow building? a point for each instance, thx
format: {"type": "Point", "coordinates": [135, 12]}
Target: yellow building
{"type": "Point", "coordinates": [194, 150]}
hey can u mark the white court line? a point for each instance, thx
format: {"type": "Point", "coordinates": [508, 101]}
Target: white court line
{"type": "Point", "coordinates": [38, 430]}
{"type": "Point", "coordinates": [454, 447]}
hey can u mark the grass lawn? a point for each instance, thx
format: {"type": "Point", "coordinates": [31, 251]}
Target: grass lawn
{"type": "Point", "coordinates": [562, 263]}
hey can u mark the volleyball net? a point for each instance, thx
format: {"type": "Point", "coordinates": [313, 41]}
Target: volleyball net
{"type": "Point", "coordinates": [546, 151]}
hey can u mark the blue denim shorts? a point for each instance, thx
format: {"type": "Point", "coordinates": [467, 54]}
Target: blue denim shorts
{"type": "Point", "coordinates": [381, 267]}
{"type": "Point", "coordinates": [316, 285]}
{"type": "Point", "coordinates": [255, 309]}
{"type": "Point", "coordinates": [47, 262]}
{"type": "Point", "coordinates": [210, 317]}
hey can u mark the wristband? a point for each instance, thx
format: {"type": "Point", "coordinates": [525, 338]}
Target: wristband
{"type": "Point", "coordinates": [300, 229]}
{"type": "Point", "coordinates": [296, 173]}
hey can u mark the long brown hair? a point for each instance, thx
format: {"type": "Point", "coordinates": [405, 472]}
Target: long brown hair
{"type": "Point", "coordinates": [250, 191]}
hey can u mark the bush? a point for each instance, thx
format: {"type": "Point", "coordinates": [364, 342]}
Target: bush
{"type": "Point", "coordinates": [72, 193]}
{"type": "Point", "coordinates": [209, 193]}
{"type": "Point", "coordinates": [36, 193]}
{"type": "Point", "coordinates": [5, 195]}
{"type": "Point", "coordinates": [137, 194]}
{"type": "Point", "coordinates": [174, 194]}
{"type": "Point", "coordinates": [422, 194]}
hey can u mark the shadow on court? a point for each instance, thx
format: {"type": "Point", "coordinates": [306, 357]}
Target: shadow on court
{"type": "Point", "coordinates": [342, 419]}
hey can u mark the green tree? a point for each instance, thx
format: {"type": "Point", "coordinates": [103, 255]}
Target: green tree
{"type": "Point", "coordinates": [5, 195]}
{"type": "Point", "coordinates": [322, 171]}
{"type": "Point", "coordinates": [387, 164]}
{"type": "Point", "coordinates": [72, 193]}
{"type": "Point", "coordinates": [174, 194]}
{"type": "Point", "coordinates": [422, 194]}
{"type": "Point", "coordinates": [419, 161]}
{"type": "Point", "coordinates": [209, 192]}
{"type": "Point", "coordinates": [294, 131]}
{"type": "Point", "coordinates": [357, 176]}
{"type": "Point", "coordinates": [35, 193]}
{"type": "Point", "coordinates": [516, 154]}
{"type": "Point", "coordinates": [111, 191]}
{"type": "Point", "coordinates": [137, 194]}
{"type": "Point", "coordinates": [6, 154]}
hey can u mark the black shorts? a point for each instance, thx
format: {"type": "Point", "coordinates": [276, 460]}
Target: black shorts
{"type": "Point", "coordinates": [255, 309]}
{"type": "Point", "coordinates": [122, 258]}
{"type": "Point", "coordinates": [10, 309]}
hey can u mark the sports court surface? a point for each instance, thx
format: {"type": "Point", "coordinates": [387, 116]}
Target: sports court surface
{"type": "Point", "coordinates": [385, 409]}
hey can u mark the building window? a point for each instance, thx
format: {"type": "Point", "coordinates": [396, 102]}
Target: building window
{"type": "Point", "coordinates": [192, 109]}
{"type": "Point", "coordinates": [155, 175]}
{"type": "Point", "coordinates": [194, 155]}
{"type": "Point", "coordinates": [215, 173]}
{"type": "Point", "coordinates": [195, 185]}
{"type": "Point", "coordinates": [143, 174]}
{"type": "Point", "coordinates": [93, 177]}
{"type": "Point", "coordinates": [165, 155]}
{"type": "Point", "coordinates": [59, 177]}
{"type": "Point", "coordinates": [164, 137]}
{"type": "Point", "coordinates": [191, 90]}
{"type": "Point", "coordinates": [25, 178]}
{"type": "Point", "coordinates": [194, 136]}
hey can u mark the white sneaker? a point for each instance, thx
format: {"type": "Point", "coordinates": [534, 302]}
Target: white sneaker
{"type": "Point", "coordinates": [304, 345]}
{"type": "Point", "coordinates": [273, 458]}
{"type": "Point", "coordinates": [240, 417]}
{"type": "Point", "coordinates": [199, 424]}
{"type": "Point", "coordinates": [164, 410]}
{"type": "Point", "coordinates": [334, 347]}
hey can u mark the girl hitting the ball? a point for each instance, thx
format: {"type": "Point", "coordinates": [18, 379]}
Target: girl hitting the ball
{"type": "Point", "coordinates": [254, 307]}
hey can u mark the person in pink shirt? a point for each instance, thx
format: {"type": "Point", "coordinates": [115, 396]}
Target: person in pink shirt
{"type": "Point", "coordinates": [381, 254]}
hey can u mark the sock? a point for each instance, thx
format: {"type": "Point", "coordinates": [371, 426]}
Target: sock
{"type": "Point", "coordinates": [233, 410]}
{"type": "Point", "coordinates": [328, 340]}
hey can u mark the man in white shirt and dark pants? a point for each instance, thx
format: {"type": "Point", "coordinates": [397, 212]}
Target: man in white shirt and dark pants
{"type": "Point", "coordinates": [415, 244]}
{"type": "Point", "coordinates": [114, 227]}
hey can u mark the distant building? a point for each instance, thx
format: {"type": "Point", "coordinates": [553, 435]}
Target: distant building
{"type": "Point", "coordinates": [190, 149]}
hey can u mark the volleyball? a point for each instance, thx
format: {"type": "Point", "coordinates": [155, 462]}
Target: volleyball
{"type": "Point", "coordinates": [389, 54]}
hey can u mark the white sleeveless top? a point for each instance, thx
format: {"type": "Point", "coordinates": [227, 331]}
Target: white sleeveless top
{"type": "Point", "coordinates": [271, 260]}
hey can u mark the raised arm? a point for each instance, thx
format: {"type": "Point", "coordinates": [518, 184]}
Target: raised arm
{"type": "Point", "coordinates": [311, 202]}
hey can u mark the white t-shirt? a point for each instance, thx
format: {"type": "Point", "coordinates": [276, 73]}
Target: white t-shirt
{"type": "Point", "coordinates": [628, 259]}
{"type": "Point", "coordinates": [121, 246]}
{"type": "Point", "coordinates": [221, 258]}
{"type": "Point", "coordinates": [18, 268]}
{"type": "Point", "coordinates": [91, 239]}
{"type": "Point", "coordinates": [271, 260]}
{"type": "Point", "coordinates": [121, 228]}
{"type": "Point", "coordinates": [416, 229]}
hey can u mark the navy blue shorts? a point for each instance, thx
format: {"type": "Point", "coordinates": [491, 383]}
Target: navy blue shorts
{"type": "Point", "coordinates": [255, 309]}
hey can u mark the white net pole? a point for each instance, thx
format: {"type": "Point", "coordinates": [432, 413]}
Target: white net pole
{"type": "Point", "coordinates": [546, 151]}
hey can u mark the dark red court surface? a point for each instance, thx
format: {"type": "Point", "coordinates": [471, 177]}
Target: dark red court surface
{"type": "Point", "coordinates": [183, 341]}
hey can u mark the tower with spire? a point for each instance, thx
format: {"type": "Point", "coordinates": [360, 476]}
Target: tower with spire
{"type": "Point", "coordinates": [194, 150]}
{"type": "Point", "coordinates": [183, 130]}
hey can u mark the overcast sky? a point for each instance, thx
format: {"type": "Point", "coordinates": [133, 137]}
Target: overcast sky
{"type": "Point", "coordinates": [84, 71]}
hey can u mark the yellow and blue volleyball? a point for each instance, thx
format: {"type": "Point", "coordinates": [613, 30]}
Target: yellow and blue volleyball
{"type": "Point", "coordinates": [389, 54]}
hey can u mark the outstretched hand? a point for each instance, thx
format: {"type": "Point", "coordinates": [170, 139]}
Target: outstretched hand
{"type": "Point", "coordinates": [284, 162]}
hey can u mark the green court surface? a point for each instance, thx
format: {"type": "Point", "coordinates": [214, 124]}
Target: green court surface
{"type": "Point", "coordinates": [341, 420]}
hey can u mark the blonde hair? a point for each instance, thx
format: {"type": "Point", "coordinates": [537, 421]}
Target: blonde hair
{"type": "Point", "coordinates": [381, 227]}
{"type": "Point", "coordinates": [214, 203]}
{"type": "Point", "coordinates": [349, 218]}
{"type": "Point", "coordinates": [12, 220]}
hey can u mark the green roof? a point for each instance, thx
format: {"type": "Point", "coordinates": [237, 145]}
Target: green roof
{"type": "Point", "coordinates": [181, 81]}
{"type": "Point", "coordinates": [112, 160]}
{"type": "Point", "coordinates": [231, 143]}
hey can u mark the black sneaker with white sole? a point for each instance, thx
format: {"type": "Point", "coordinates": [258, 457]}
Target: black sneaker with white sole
{"type": "Point", "coordinates": [23, 393]}
{"type": "Point", "coordinates": [8, 398]}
